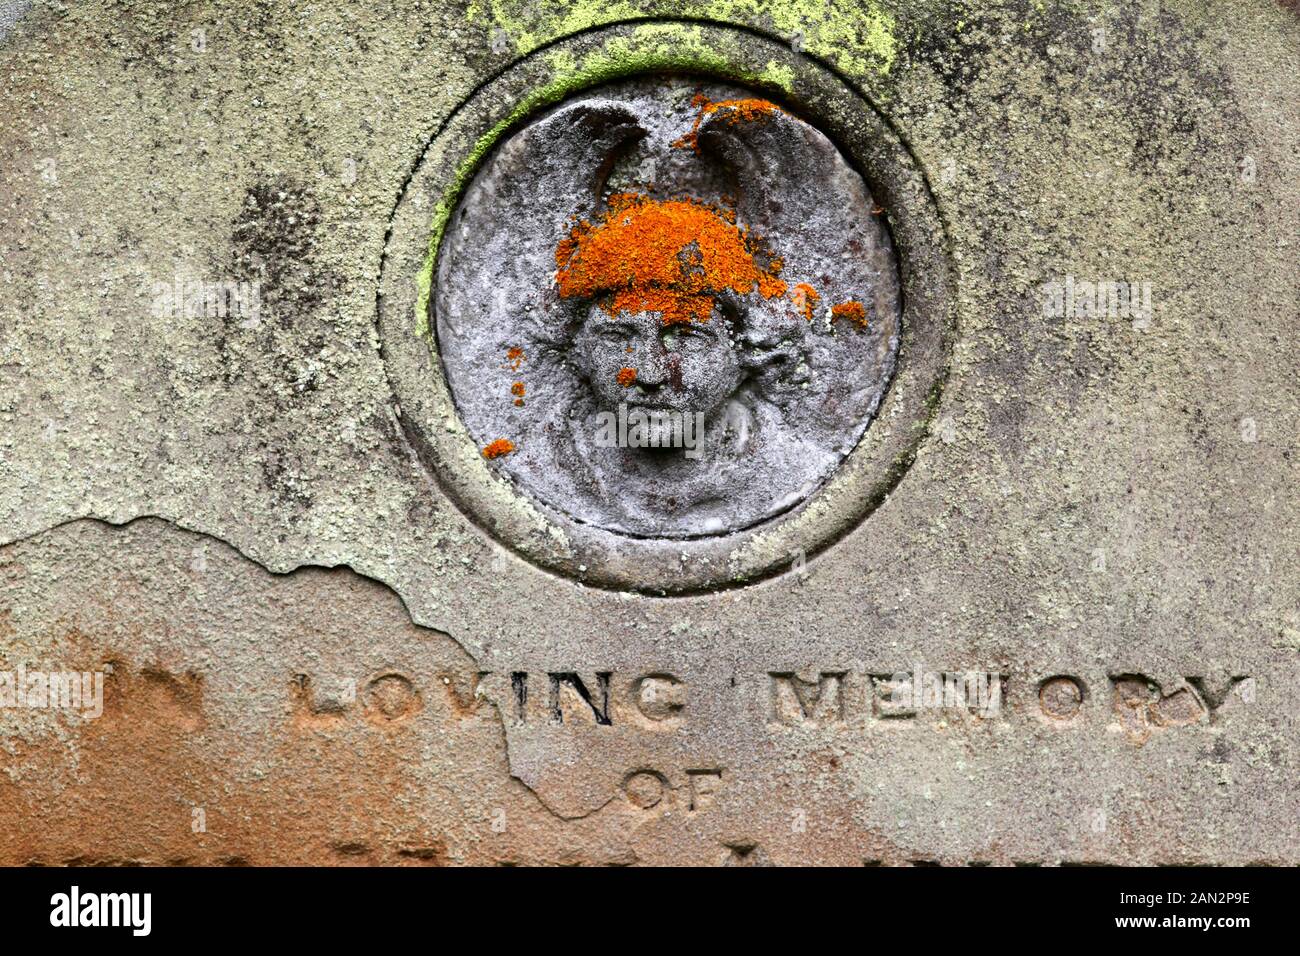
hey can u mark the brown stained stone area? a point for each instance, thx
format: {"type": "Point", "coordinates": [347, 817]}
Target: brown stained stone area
{"type": "Point", "coordinates": [257, 718]}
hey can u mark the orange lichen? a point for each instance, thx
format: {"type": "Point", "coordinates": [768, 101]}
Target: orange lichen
{"type": "Point", "coordinates": [673, 257]}
{"type": "Point", "coordinates": [852, 310]}
{"type": "Point", "coordinates": [518, 390]}
{"type": "Point", "coordinates": [736, 111]}
{"type": "Point", "coordinates": [502, 446]}
{"type": "Point", "coordinates": [805, 299]}
{"type": "Point", "coordinates": [626, 377]}
{"type": "Point", "coordinates": [515, 357]}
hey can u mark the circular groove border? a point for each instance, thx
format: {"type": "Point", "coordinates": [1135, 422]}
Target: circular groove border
{"type": "Point", "coordinates": [551, 539]}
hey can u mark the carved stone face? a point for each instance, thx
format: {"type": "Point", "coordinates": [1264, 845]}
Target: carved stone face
{"type": "Point", "coordinates": [685, 367]}
{"type": "Point", "coordinates": [675, 251]}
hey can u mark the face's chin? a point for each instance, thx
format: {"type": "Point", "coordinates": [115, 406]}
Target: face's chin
{"type": "Point", "coordinates": [659, 438]}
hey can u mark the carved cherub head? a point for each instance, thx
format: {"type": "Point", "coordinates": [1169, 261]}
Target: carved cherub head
{"type": "Point", "coordinates": [662, 290]}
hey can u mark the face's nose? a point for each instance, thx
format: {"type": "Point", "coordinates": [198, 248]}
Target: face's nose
{"type": "Point", "coordinates": [652, 372]}
{"type": "Point", "coordinates": [651, 358]}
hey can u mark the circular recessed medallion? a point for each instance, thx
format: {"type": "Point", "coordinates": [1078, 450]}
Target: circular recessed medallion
{"type": "Point", "coordinates": [667, 308]}
{"type": "Point", "coordinates": [667, 332]}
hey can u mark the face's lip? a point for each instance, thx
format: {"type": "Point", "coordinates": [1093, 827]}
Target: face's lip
{"type": "Point", "coordinates": [656, 408]}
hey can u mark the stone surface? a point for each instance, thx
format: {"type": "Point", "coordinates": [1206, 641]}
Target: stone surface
{"type": "Point", "coordinates": [761, 395]}
{"type": "Point", "coordinates": [221, 488]}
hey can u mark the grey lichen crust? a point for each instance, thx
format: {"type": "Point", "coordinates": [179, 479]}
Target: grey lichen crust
{"type": "Point", "coordinates": [618, 415]}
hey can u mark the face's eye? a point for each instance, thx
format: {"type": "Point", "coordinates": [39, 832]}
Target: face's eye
{"type": "Point", "coordinates": [613, 333]}
{"type": "Point", "coordinates": [689, 334]}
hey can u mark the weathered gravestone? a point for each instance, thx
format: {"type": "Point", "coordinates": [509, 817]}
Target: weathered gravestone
{"type": "Point", "coordinates": [722, 433]}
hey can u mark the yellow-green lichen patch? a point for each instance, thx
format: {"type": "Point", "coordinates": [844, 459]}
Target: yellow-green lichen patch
{"type": "Point", "coordinates": [528, 24]}
{"type": "Point", "coordinates": [857, 36]}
